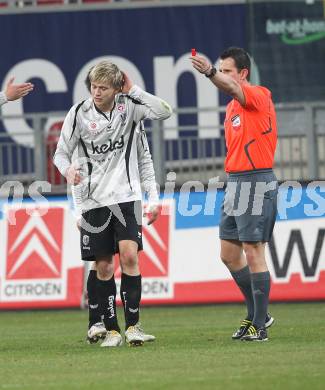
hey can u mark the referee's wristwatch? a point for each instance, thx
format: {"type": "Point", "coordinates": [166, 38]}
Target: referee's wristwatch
{"type": "Point", "coordinates": [212, 72]}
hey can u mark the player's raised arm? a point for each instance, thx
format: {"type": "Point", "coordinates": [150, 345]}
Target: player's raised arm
{"type": "Point", "coordinates": [149, 106]}
{"type": "Point", "coordinates": [3, 98]}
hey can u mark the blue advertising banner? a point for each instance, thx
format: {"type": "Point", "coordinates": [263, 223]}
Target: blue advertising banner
{"type": "Point", "coordinates": [56, 50]}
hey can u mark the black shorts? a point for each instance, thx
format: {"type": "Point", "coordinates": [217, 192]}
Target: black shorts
{"type": "Point", "coordinates": [102, 229]}
{"type": "Point", "coordinates": [248, 214]}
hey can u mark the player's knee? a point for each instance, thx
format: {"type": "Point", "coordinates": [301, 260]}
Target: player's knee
{"type": "Point", "coordinates": [105, 270]}
{"type": "Point", "coordinates": [128, 259]}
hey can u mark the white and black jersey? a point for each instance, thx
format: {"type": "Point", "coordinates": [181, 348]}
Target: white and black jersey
{"type": "Point", "coordinates": [3, 98]}
{"type": "Point", "coordinates": [108, 148]}
{"type": "Point", "coordinates": [145, 174]}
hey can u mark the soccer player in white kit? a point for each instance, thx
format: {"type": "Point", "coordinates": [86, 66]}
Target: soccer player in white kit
{"type": "Point", "coordinates": [96, 328]}
{"type": "Point", "coordinates": [107, 186]}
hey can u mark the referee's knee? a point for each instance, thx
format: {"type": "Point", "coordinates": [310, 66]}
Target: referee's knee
{"type": "Point", "coordinates": [228, 259]}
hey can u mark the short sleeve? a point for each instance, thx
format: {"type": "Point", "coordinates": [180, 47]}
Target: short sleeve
{"type": "Point", "coordinates": [256, 97]}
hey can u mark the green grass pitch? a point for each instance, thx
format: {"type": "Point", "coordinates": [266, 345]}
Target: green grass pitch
{"type": "Point", "coordinates": [193, 350]}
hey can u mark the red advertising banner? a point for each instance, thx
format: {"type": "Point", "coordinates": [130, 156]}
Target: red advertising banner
{"type": "Point", "coordinates": [38, 269]}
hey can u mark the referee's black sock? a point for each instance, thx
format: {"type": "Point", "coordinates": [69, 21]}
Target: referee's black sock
{"type": "Point", "coordinates": [93, 306]}
{"type": "Point", "coordinates": [131, 297]}
{"type": "Point", "coordinates": [243, 280]}
{"type": "Point", "coordinates": [107, 302]}
{"type": "Point", "coordinates": [261, 290]}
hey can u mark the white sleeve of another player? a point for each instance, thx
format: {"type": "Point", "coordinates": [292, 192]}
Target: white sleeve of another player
{"type": "Point", "coordinates": [151, 107]}
{"type": "Point", "coordinates": [3, 98]}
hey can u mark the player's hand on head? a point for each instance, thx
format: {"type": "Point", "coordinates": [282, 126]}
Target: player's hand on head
{"type": "Point", "coordinates": [201, 64]}
{"type": "Point", "coordinates": [17, 91]}
{"type": "Point", "coordinates": [73, 175]}
{"type": "Point", "coordinates": [152, 213]}
{"type": "Point", "coordinates": [128, 84]}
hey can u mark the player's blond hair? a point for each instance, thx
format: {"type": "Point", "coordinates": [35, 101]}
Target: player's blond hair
{"type": "Point", "coordinates": [107, 73]}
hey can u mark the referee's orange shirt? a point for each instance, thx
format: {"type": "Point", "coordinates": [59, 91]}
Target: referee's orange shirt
{"type": "Point", "coordinates": [250, 131]}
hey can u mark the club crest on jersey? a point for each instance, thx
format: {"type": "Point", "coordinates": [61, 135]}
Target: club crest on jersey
{"type": "Point", "coordinates": [121, 107]}
{"type": "Point", "coordinates": [235, 121]}
{"type": "Point", "coordinates": [85, 239]}
{"type": "Point", "coordinates": [93, 128]}
{"type": "Point", "coordinates": [92, 125]}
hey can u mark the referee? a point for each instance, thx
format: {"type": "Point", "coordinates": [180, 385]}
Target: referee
{"type": "Point", "coordinates": [250, 204]}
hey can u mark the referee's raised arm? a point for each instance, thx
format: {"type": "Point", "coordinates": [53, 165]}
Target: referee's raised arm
{"type": "Point", "coordinates": [225, 78]}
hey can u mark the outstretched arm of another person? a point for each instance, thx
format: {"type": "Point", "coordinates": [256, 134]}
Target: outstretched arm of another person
{"type": "Point", "coordinates": [15, 91]}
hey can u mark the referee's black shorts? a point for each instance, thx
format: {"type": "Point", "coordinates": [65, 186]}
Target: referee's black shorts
{"type": "Point", "coordinates": [248, 213]}
{"type": "Point", "coordinates": [102, 228]}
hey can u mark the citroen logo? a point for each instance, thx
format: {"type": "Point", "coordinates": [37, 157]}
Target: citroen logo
{"type": "Point", "coordinates": [38, 228]}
